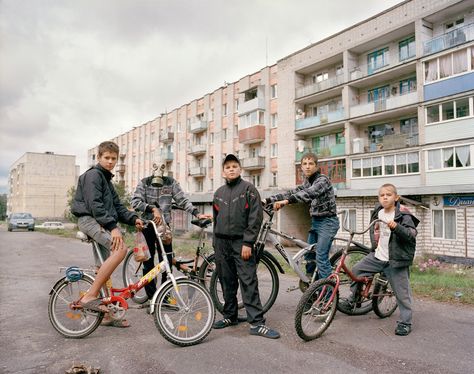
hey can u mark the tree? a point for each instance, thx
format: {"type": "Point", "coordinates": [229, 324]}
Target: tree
{"type": "Point", "coordinates": [3, 206]}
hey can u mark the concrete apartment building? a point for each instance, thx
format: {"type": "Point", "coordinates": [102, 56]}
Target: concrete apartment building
{"type": "Point", "coordinates": [388, 100]}
{"type": "Point", "coordinates": [39, 182]}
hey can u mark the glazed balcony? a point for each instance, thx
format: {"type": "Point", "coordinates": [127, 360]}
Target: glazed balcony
{"type": "Point", "coordinates": [253, 134]}
{"type": "Point", "coordinates": [319, 120]}
{"type": "Point", "coordinates": [197, 149]}
{"type": "Point", "coordinates": [197, 172]}
{"type": "Point", "coordinates": [450, 39]}
{"type": "Point", "coordinates": [198, 126]}
{"type": "Point", "coordinates": [253, 163]}
{"type": "Point", "coordinates": [166, 156]}
{"type": "Point", "coordinates": [322, 152]}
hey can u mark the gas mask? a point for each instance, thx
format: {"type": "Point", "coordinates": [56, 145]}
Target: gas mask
{"type": "Point", "coordinates": [157, 180]}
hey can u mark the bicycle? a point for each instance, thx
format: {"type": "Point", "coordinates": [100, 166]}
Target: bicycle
{"type": "Point", "coordinates": [202, 264]}
{"type": "Point", "coordinates": [269, 267]}
{"type": "Point", "coordinates": [317, 307]}
{"type": "Point", "coordinates": [182, 308]}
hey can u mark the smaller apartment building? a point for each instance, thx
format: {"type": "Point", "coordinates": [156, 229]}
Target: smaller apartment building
{"type": "Point", "coordinates": [389, 100]}
{"type": "Point", "coordinates": [39, 183]}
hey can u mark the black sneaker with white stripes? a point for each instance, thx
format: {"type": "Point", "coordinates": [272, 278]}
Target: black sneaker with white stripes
{"type": "Point", "coordinates": [222, 323]}
{"type": "Point", "coordinates": [264, 331]}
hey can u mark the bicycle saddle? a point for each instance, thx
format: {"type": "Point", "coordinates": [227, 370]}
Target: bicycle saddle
{"type": "Point", "coordinates": [202, 223]}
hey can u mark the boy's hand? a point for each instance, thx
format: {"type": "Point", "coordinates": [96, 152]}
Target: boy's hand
{"type": "Point", "coordinates": [280, 204]}
{"type": "Point", "coordinates": [117, 239]}
{"type": "Point", "coordinates": [139, 224]}
{"type": "Point", "coordinates": [156, 216]}
{"type": "Point", "coordinates": [204, 216]}
{"type": "Point", "coordinates": [246, 252]}
{"type": "Point", "coordinates": [391, 224]}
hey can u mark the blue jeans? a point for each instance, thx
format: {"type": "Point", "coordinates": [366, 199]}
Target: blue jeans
{"type": "Point", "coordinates": [323, 230]}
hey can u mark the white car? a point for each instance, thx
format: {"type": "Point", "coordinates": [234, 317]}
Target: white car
{"type": "Point", "coordinates": [51, 225]}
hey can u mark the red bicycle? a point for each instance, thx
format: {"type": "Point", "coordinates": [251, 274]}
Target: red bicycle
{"type": "Point", "coordinates": [182, 308]}
{"type": "Point", "coordinates": [318, 305]}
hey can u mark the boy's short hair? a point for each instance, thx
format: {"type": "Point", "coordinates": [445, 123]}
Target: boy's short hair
{"type": "Point", "coordinates": [389, 186]}
{"type": "Point", "coordinates": [108, 146]}
{"type": "Point", "coordinates": [311, 156]}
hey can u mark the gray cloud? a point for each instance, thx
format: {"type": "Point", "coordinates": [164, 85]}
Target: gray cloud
{"type": "Point", "coordinates": [74, 73]}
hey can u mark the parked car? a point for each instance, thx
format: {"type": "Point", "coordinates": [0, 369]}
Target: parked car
{"type": "Point", "coordinates": [21, 221]}
{"type": "Point", "coordinates": [51, 225]}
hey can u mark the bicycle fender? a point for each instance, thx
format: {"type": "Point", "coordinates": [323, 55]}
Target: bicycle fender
{"type": "Point", "coordinates": [60, 280]}
{"type": "Point", "coordinates": [274, 260]}
{"type": "Point", "coordinates": [155, 296]}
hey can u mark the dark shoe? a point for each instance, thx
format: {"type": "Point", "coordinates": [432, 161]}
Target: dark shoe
{"type": "Point", "coordinates": [402, 329]}
{"type": "Point", "coordinates": [266, 332]}
{"type": "Point", "coordinates": [223, 323]}
{"type": "Point", "coordinates": [346, 304]}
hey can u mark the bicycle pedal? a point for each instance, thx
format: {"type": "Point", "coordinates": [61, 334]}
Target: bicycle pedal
{"type": "Point", "coordinates": [292, 288]}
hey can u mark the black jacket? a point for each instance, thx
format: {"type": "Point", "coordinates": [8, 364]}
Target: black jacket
{"type": "Point", "coordinates": [402, 242]}
{"type": "Point", "coordinates": [237, 211]}
{"type": "Point", "coordinates": [96, 197]}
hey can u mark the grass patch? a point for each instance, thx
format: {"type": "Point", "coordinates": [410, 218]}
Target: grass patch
{"type": "Point", "coordinates": [64, 233]}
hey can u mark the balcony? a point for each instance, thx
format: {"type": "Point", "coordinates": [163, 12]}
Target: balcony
{"type": "Point", "coordinates": [323, 119]}
{"type": "Point", "coordinates": [198, 126]}
{"type": "Point", "coordinates": [253, 134]}
{"type": "Point", "coordinates": [251, 106]}
{"type": "Point", "coordinates": [450, 39]}
{"type": "Point", "coordinates": [166, 156]}
{"type": "Point", "coordinates": [253, 163]}
{"type": "Point", "coordinates": [120, 168]}
{"type": "Point", "coordinates": [320, 86]}
{"type": "Point", "coordinates": [330, 151]}
{"type": "Point", "coordinates": [393, 141]}
{"type": "Point", "coordinates": [197, 149]}
{"type": "Point", "coordinates": [197, 172]}
{"type": "Point", "coordinates": [166, 137]}
{"type": "Point", "coordinates": [387, 104]}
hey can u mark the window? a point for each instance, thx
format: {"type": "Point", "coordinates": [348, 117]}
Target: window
{"type": "Point", "coordinates": [224, 110]}
{"type": "Point", "coordinates": [224, 134]}
{"type": "Point", "coordinates": [199, 186]}
{"type": "Point", "coordinates": [377, 60]}
{"type": "Point", "coordinates": [236, 131]}
{"type": "Point", "coordinates": [274, 120]}
{"type": "Point", "coordinates": [236, 105]}
{"type": "Point", "coordinates": [448, 110]}
{"type": "Point", "coordinates": [251, 119]}
{"type": "Point", "coordinates": [407, 48]}
{"type": "Point", "coordinates": [274, 150]}
{"type": "Point", "coordinates": [274, 179]}
{"type": "Point", "coordinates": [409, 127]}
{"type": "Point", "coordinates": [351, 217]}
{"type": "Point", "coordinates": [454, 24]}
{"type": "Point", "coordinates": [377, 132]}
{"type": "Point", "coordinates": [211, 138]}
{"type": "Point", "coordinates": [448, 65]}
{"type": "Point", "coordinates": [250, 94]}
{"type": "Point", "coordinates": [444, 224]}
{"type": "Point", "coordinates": [256, 180]}
{"type": "Point", "coordinates": [378, 94]}
{"type": "Point", "coordinates": [317, 78]}
{"type": "Point", "coordinates": [450, 157]}
{"type": "Point", "coordinates": [402, 163]}
{"type": "Point", "coordinates": [211, 161]}
{"type": "Point", "coordinates": [273, 91]}
{"type": "Point", "coordinates": [407, 85]}
{"type": "Point", "coordinates": [339, 70]}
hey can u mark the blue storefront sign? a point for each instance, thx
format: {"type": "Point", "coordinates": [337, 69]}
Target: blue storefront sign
{"type": "Point", "coordinates": [458, 200]}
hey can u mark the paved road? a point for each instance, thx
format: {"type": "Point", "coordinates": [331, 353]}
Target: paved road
{"type": "Point", "coordinates": [442, 341]}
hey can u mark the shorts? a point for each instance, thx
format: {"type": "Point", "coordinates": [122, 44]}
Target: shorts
{"type": "Point", "coordinates": [89, 226]}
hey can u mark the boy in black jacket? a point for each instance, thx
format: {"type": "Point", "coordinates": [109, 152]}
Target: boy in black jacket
{"type": "Point", "coordinates": [395, 244]}
{"type": "Point", "coordinates": [238, 215]}
{"type": "Point", "coordinates": [99, 209]}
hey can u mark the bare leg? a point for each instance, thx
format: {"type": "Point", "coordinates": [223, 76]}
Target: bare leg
{"type": "Point", "coordinates": [104, 273]}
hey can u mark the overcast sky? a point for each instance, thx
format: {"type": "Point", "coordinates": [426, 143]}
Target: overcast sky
{"type": "Point", "coordinates": [76, 72]}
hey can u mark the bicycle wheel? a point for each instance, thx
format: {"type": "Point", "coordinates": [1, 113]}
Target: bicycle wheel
{"type": "Point", "coordinates": [268, 286]}
{"type": "Point", "coordinates": [315, 311]}
{"type": "Point", "coordinates": [354, 255]}
{"type": "Point", "coordinates": [206, 269]}
{"type": "Point", "coordinates": [186, 324]}
{"type": "Point", "coordinates": [384, 301]}
{"type": "Point", "coordinates": [72, 323]}
{"type": "Point", "coordinates": [132, 271]}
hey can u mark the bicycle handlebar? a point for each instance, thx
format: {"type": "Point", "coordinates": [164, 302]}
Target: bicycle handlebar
{"type": "Point", "coordinates": [344, 213]}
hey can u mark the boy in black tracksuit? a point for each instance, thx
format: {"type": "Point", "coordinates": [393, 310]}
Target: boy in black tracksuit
{"type": "Point", "coordinates": [238, 216]}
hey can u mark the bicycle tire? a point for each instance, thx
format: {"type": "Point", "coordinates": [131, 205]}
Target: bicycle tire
{"type": "Point", "coordinates": [354, 255]}
{"type": "Point", "coordinates": [131, 273]}
{"type": "Point", "coordinates": [206, 269]}
{"type": "Point", "coordinates": [384, 301]}
{"type": "Point", "coordinates": [72, 323]}
{"type": "Point", "coordinates": [179, 324]}
{"type": "Point", "coordinates": [268, 285]}
{"type": "Point", "coordinates": [314, 313]}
